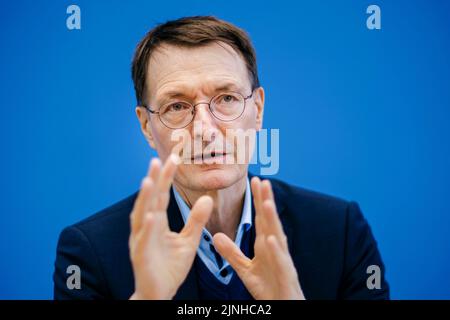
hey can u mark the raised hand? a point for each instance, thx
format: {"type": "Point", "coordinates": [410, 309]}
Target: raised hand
{"type": "Point", "coordinates": [161, 258]}
{"type": "Point", "coordinates": [271, 274]}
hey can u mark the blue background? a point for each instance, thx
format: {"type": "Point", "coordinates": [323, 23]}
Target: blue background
{"type": "Point", "coordinates": [362, 114]}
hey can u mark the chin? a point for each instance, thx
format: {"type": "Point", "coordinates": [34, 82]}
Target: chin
{"type": "Point", "coordinates": [212, 177]}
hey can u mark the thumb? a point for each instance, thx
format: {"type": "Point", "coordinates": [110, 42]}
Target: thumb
{"type": "Point", "coordinates": [198, 218]}
{"type": "Point", "coordinates": [231, 252]}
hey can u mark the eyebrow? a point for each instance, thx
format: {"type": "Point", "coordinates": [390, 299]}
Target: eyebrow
{"type": "Point", "coordinates": [179, 93]}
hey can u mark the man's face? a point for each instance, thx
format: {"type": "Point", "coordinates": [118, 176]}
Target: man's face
{"type": "Point", "coordinates": [196, 75]}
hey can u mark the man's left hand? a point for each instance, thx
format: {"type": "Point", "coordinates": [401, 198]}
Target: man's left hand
{"type": "Point", "coordinates": [271, 274]}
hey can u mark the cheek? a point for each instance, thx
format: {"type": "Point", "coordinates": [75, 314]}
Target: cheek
{"type": "Point", "coordinates": [244, 145]}
{"type": "Point", "coordinates": [248, 118]}
{"type": "Point", "coordinates": [162, 138]}
{"type": "Point", "coordinates": [246, 121]}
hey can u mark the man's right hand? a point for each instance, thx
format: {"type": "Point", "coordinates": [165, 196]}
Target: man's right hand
{"type": "Point", "coordinates": [161, 258]}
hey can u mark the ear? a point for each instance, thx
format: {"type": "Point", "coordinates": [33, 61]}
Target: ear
{"type": "Point", "coordinates": [144, 120]}
{"type": "Point", "coordinates": [258, 97]}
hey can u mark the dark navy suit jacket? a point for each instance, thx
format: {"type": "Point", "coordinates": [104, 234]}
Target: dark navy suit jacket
{"type": "Point", "coordinates": [330, 242]}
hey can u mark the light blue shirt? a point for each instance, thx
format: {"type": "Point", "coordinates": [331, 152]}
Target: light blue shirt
{"type": "Point", "coordinates": [218, 266]}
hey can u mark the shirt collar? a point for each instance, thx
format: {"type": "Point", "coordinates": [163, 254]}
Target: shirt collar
{"type": "Point", "coordinates": [246, 217]}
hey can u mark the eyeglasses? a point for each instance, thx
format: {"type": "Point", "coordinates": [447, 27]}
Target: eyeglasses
{"type": "Point", "coordinates": [226, 106]}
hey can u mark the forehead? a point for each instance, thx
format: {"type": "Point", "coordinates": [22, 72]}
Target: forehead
{"type": "Point", "coordinates": [193, 69]}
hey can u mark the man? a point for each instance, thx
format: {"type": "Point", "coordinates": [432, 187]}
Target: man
{"type": "Point", "coordinates": [201, 227]}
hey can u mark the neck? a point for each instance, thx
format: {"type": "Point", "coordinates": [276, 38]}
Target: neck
{"type": "Point", "coordinates": [228, 203]}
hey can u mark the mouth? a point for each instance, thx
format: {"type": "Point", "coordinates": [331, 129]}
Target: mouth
{"type": "Point", "coordinates": [205, 156]}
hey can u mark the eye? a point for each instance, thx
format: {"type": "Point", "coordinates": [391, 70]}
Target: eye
{"type": "Point", "coordinates": [177, 107]}
{"type": "Point", "coordinates": [228, 98]}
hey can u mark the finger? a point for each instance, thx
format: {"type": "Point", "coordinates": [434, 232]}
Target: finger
{"type": "Point", "coordinates": [284, 268]}
{"type": "Point", "coordinates": [167, 173]}
{"type": "Point", "coordinates": [232, 253]}
{"type": "Point", "coordinates": [165, 181]}
{"type": "Point", "coordinates": [280, 259]}
{"type": "Point", "coordinates": [266, 191]}
{"type": "Point", "coordinates": [265, 194]}
{"type": "Point", "coordinates": [256, 191]}
{"type": "Point", "coordinates": [154, 171]}
{"type": "Point", "coordinates": [274, 226]}
{"type": "Point", "coordinates": [141, 204]}
{"type": "Point", "coordinates": [161, 201]}
{"type": "Point", "coordinates": [198, 217]}
{"type": "Point", "coordinates": [143, 238]}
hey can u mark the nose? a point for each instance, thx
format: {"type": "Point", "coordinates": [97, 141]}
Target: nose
{"type": "Point", "coordinates": [207, 121]}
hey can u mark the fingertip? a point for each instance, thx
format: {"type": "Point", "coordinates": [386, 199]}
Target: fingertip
{"type": "Point", "coordinates": [145, 182]}
{"type": "Point", "coordinates": [254, 181]}
{"type": "Point", "coordinates": [207, 200]}
{"type": "Point", "coordinates": [218, 239]}
{"type": "Point", "coordinates": [175, 159]}
{"type": "Point", "coordinates": [266, 183]}
{"type": "Point", "coordinates": [201, 211]}
{"type": "Point", "coordinates": [209, 204]}
{"type": "Point", "coordinates": [255, 184]}
{"type": "Point", "coordinates": [155, 162]}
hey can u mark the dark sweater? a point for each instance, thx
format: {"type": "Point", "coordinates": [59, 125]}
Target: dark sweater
{"type": "Point", "coordinates": [210, 288]}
